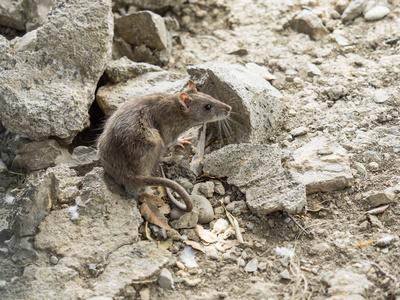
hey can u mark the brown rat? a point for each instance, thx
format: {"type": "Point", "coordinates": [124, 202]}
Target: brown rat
{"type": "Point", "coordinates": [137, 134]}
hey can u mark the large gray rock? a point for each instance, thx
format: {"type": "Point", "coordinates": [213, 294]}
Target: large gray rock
{"type": "Point", "coordinates": [309, 23]}
{"type": "Point", "coordinates": [12, 14]}
{"type": "Point", "coordinates": [130, 79]}
{"type": "Point", "coordinates": [256, 104]}
{"type": "Point", "coordinates": [322, 166]}
{"type": "Point", "coordinates": [41, 155]}
{"type": "Point", "coordinates": [49, 76]}
{"type": "Point", "coordinates": [145, 31]}
{"type": "Point", "coordinates": [24, 14]}
{"type": "Point", "coordinates": [256, 170]}
{"type": "Point", "coordinates": [34, 201]}
{"type": "Point", "coordinates": [94, 240]}
{"type": "Point", "coordinates": [152, 4]}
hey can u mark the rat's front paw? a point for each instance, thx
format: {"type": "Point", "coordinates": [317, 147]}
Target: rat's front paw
{"type": "Point", "coordinates": [182, 140]}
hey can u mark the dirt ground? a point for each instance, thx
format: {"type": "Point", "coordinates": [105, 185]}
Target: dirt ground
{"type": "Point", "coordinates": [333, 238]}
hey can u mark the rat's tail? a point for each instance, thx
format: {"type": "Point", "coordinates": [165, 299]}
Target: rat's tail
{"type": "Point", "coordinates": [168, 183]}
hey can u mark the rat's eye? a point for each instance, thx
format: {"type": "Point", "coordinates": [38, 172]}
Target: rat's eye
{"type": "Point", "coordinates": [208, 106]}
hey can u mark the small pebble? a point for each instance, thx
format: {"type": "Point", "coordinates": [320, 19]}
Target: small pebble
{"type": "Point", "coordinates": [192, 282]}
{"type": "Point", "coordinates": [299, 131]}
{"type": "Point", "coordinates": [381, 96]}
{"type": "Point", "coordinates": [54, 261]}
{"type": "Point", "coordinates": [3, 284]}
{"type": "Point", "coordinates": [373, 166]}
{"type": "Point", "coordinates": [376, 13]}
{"type": "Point", "coordinates": [165, 279]}
{"type": "Point", "coordinates": [251, 265]}
{"type": "Point", "coordinates": [385, 241]}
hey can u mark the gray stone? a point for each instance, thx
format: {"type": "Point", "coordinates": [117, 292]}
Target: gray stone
{"type": "Point", "coordinates": [376, 13]}
{"type": "Point", "coordinates": [322, 166]}
{"type": "Point", "coordinates": [256, 170]}
{"type": "Point", "coordinates": [205, 188]}
{"type": "Point", "coordinates": [111, 95]}
{"type": "Point", "coordinates": [348, 282]}
{"type": "Point", "coordinates": [23, 14]}
{"type": "Point", "coordinates": [12, 14]}
{"type": "Point", "coordinates": [3, 284]}
{"type": "Point", "coordinates": [53, 260]}
{"type": "Point", "coordinates": [386, 241]}
{"type": "Point", "coordinates": [124, 69]}
{"type": "Point", "coordinates": [299, 131]}
{"type": "Point", "coordinates": [336, 92]}
{"type": "Point", "coordinates": [381, 96]}
{"type": "Point", "coordinates": [321, 248]}
{"type": "Point", "coordinates": [145, 31]}
{"type": "Point", "coordinates": [354, 10]}
{"type": "Point", "coordinates": [251, 266]}
{"type": "Point", "coordinates": [188, 220]}
{"type": "Point", "coordinates": [35, 200]}
{"type": "Point", "coordinates": [380, 198]}
{"type": "Point", "coordinates": [236, 207]}
{"type": "Point", "coordinates": [341, 5]}
{"type": "Point", "coordinates": [256, 104]}
{"type": "Point", "coordinates": [165, 279]}
{"type": "Point", "coordinates": [41, 155]}
{"type": "Point", "coordinates": [83, 159]}
{"type": "Point", "coordinates": [49, 75]}
{"type": "Point", "coordinates": [201, 205]}
{"type": "Point", "coordinates": [21, 249]}
{"type": "Point", "coordinates": [152, 4]}
{"type": "Point", "coordinates": [219, 188]}
{"type": "Point", "coordinates": [37, 12]}
{"type": "Point", "coordinates": [309, 23]}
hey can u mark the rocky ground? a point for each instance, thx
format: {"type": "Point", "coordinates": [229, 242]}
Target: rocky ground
{"type": "Point", "coordinates": [307, 164]}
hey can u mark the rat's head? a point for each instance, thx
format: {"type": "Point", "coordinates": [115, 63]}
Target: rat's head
{"type": "Point", "coordinates": [201, 108]}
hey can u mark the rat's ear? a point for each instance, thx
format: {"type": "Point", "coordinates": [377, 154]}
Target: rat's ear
{"type": "Point", "coordinates": [192, 86]}
{"type": "Point", "coordinates": [185, 101]}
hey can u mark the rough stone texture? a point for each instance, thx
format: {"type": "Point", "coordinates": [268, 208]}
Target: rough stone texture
{"type": "Point", "coordinates": [256, 170]}
{"type": "Point", "coordinates": [354, 10]}
{"type": "Point", "coordinates": [124, 69]}
{"type": "Point", "coordinates": [322, 166]}
{"type": "Point", "coordinates": [152, 4]}
{"type": "Point", "coordinates": [138, 262]}
{"type": "Point", "coordinates": [255, 101]}
{"type": "Point", "coordinates": [187, 220]}
{"type": "Point", "coordinates": [12, 15]}
{"type": "Point", "coordinates": [35, 200]}
{"type": "Point", "coordinates": [380, 198]}
{"type": "Point", "coordinates": [145, 31]}
{"type": "Point", "coordinates": [105, 222]}
{"type": "Point", "coordinates": [41, 155]}
{"type": "Point", "coordinates": [24, 14]}
{"type": "Point", "coordinates": [307, 22]}
{"type": "Point", "coordinates": [83, 159]}
{"type": "Point", "coordinates": [144, 79]}
{"type": "Point", "coordinates": [347, 282]}
{"type": "Point", "coordinates": [50, 74]}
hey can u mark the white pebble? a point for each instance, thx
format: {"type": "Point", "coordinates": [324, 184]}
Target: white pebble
{"type": "Point", "coordinates": [376, 13]}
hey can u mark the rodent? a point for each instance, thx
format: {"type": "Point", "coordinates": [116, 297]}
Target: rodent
{"type": "Point", "coordinates": [137, 134]}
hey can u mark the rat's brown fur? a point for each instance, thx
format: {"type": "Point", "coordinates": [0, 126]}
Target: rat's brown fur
{"type": "Point", "coordinates": [136, 135]}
